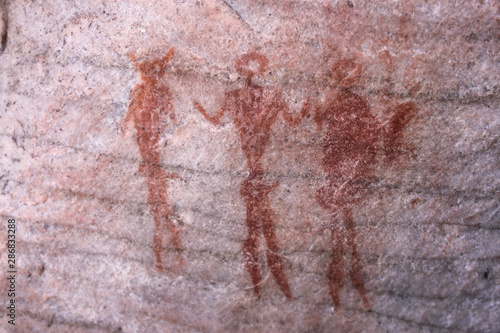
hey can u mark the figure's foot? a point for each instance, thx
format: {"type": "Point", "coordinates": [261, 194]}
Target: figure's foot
{"type": "Point", "coordinates": [250, 253]}
{"type": "Point", "coordinates": [335, 282]}
{"type": "Point", "coordinates": [336, 271]}
{"type": "Point", "coordinates": [356, 273]}
{"type": "Point", "coordinates": [157, 251]}
{"type": "Point", "coordinates": [274, 259]}
{"type": "Point", "coordinates": [172, 175]}
{"type": "Point", "coordinates": [357, 280]}
{"type": "Point", "coordinates": [180, 262]}
{"type": "Point", "coordinates": [159, 266]}
{"type": "Point", "coordinates": [365, 301]}
{"type": "Point", "coordinates": [275, 262]}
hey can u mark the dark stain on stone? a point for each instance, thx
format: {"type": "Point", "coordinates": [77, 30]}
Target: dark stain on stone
{"type": "Point", "coordinates": [5, 23]}
{"type": "Point", "coordinates": [41, 269]}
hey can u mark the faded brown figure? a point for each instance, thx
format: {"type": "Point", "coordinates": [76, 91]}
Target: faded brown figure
{"type": "Point", "coordinates": [254, 110]}
{"type": "Point", "coordinates": [150, 108]}
{"type": "Point", "coordinates": [353, 139]}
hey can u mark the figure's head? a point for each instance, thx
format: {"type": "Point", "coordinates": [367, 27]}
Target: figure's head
{"type": "Point", "coordinates": [153, 68]}
{"type": "Point", "coordinates": [345, 73]}
{"type": "Point", "coordinates": [251, 63]}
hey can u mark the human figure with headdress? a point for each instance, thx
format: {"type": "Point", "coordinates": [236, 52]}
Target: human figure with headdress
{"type": "Point", "coordinates": [150, 109]}
{"type": "Point", "coordinates": [254, 109]}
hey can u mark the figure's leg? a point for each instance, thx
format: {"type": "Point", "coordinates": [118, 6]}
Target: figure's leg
{"type": "Point", "coordinates": [274, 259]}
{"type": "Point", "coordinates": [163, 224]}
{"type": "Point", "coordinates": [251, 248]}
{"type": "Point", "coordinates": [147, 170]}
{"type": "Point", "coordinates": [158, 201]}
{"type": "Point", "coordinates": [174, 233]}
{"type": "Point", "coordinates": [157, 238]}
{"type": "Point", "coordinates": [336, 270]}
{"type": "Point", "coordinates": [356, 273]}
{"type": "Point", "coordinates": [157, 242]}
{"type": "Point", "coordinates": [175, 238]}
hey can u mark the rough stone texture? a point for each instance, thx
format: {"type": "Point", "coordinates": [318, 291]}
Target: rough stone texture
{"type": "Point", "coordinates": [425, 209]}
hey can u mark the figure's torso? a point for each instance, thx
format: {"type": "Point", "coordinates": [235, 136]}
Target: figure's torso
{"type": "Point", "coordinates": [352, 137]}
{"type": "Point", "coordinates": [153, 105]}
{"type": "Point", "coordinates": [254, 110]}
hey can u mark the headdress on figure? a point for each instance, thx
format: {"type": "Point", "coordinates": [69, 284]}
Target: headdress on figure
{"type": "Point", "coordinates": [153, 67]}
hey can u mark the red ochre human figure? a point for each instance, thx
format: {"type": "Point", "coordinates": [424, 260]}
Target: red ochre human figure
{"type": "Point", "coordinates": [254, 109]}
{"type": "Point", "coordinates": [353, 139]}
{"type": "Point", "coordinates": [150, 108]}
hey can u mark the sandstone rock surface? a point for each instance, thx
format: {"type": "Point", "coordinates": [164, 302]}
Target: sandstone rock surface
{"type": "Point", "coordinates": [251, 166]}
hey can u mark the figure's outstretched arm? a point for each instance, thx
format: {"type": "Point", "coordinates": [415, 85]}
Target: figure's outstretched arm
{"type": "Point", "coordinates": [215, 119]}
{"type": "Point", "coordinates": [169, 56]}
{"type": "Point", "coordinates": [393, 133]}
{"type": "Point", "coordinates": [166, 59]}
{"type": "Point", "coordinates": [405, 112]}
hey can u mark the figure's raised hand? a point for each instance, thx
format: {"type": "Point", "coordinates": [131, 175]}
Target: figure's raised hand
{"type": "Point", "coordinates": [295, 121]}
{"type": "Point", "coordinates": [394, 146]}
{"type": "Point", "coordinates": [213, 119]}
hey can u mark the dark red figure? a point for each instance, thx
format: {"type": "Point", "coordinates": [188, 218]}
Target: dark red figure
{"type": "Point", "coordinates": [254, 110]}
{"type": "Point", "coordinates": [149, 109]}
{"type": "Point", "coordinates": [353, 138]}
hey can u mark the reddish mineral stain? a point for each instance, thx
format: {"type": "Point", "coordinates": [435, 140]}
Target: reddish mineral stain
{"type": "Point", "coordinates": [254, 109]}
{"type": "Point", "coordinates": [150, 106]}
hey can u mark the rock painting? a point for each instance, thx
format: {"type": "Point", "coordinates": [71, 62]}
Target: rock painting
{"type": "Point", "coordinates": [254, 109]}
{"type": "Point", "coordinates": [149, 109]}
{"type": "Point", "coordinates": [352, 140]}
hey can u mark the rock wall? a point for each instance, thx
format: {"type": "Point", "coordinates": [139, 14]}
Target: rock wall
{"type": "Point", "coordinates": [251, 166]}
